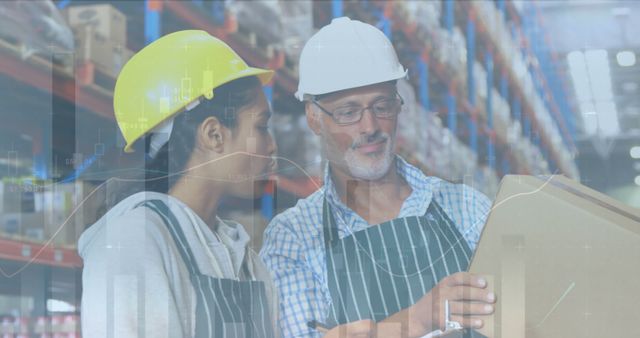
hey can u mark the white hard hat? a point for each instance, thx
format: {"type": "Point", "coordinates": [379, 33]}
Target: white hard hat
{"type": "Point", "coordinates": [346, 54]}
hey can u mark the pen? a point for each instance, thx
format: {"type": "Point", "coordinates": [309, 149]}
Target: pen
{"type": "Point", "coordinates": [316, 325]}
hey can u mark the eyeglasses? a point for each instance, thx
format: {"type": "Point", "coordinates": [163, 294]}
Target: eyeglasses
{"type": "Point", "coordinates": [384, 108]}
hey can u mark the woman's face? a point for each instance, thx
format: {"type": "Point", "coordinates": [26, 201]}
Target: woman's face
{"type": "Point", "coordinates": [250, 156]}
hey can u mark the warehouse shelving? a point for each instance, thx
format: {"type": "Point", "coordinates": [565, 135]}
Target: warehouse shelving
{"type": "Point", "coordinates": [544, 91]}
{"type": "Point", "coordinates": [38, 253]}
{"type": "Point", "coordinates": [42, 74]}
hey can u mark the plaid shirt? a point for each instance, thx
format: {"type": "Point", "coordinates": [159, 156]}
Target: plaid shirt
{"type": "Point", "coordinates": [294, 246]}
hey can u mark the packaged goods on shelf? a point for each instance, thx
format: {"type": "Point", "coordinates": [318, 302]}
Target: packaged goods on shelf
{"type": "Point", "coordinates": [297, 26]}
{"type": "Point", "coordinates": [107, 55]}
{"type": "Point", "coordinates": [107, 22]}
{"type": "Point", "coordinates": [425, 14]}
{"type": "Point", "coordinates": [486, 181]}
{"type": "Point", "coordinates": [501, 115]}
{"type": "Point", "coordinates": [15, 327]}
{"type": "Point", "coordinates": [488, 13]}
{"type": "Point", "coordinates": [446, 156]}
{"type": "Point", "coordinates": [451, 50]}
{"type": "Point", "coordinates": [37, 26]}
{"type": "Point", "coordinates": [59, 212]}
{"type": "Point", "coordinates": [519, 68]}
{"type": "Point", "coordinates": [537, 162]}
{"type": "Point", "coordinates": [437, 157]}
{"type": "Point", "coordinates": [85, 199]}
{"type": "Point", "coordinates": [282, 24]}
{"type": "Point", "coordinates": [26, 225]}
{"type": "Point", "coordinates": [463, 160]}
{"type": "Point", "coordinates": [458, 61]}
{"type": "Point", "coordinates": [480, 79]}
{"type": "Point", "coordinates": [514, 133]}
{"type": "Point", "coordinates": [531, 158]}
{"type": "Point", "coordinates": [412, 120]}
{"type": "Point", "coordinates": [297, 146]}
{"type": "Point", "coordinates": [519, 151]}
{"type": "Point", "coordinates": [439, 40]}
{"type": "Point", "coordinates": [11, 194]}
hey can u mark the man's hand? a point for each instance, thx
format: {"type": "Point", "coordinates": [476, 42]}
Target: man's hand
{"type": "Point", "coordinates": [358, 329]}
{"type": "Point", "coordinates": [469, 303]}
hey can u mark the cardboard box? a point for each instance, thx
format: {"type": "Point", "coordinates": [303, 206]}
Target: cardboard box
{"type": "Point", "coordinates": [108, 56]}
{"type": "Point", "coordinates": [71, 208]}
{"type": "Point", "coordinates": [107, 21]}
{"type": "Point", "coordinates": [564, 260]}
{"type": "Point", "coordinates": [29, 225]}
{"type": "Point", "coordinates": [10, 197]}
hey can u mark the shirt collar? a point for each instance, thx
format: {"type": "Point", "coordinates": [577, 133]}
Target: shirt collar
{"type": "Point", "coordinates": [422, 189]}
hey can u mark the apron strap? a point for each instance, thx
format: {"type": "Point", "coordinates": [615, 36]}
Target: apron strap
{"type": "Point", "coordinates": [329, 228]}
{"type": "Point", "coordinates": [436, 208]}
{"type": "Point", "coordinates": [173, 225]}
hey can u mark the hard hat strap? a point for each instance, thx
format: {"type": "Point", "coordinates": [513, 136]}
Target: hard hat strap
{"type": "Point", "coordinates": [161, 134]}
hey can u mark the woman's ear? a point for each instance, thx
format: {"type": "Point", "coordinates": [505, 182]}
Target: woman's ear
{"type": "Point", "coordinates": [313, 118]}
{"type": "Point", "coordinates": [211, 135]}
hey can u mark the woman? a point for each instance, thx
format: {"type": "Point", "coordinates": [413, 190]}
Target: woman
{"type": "Point", "coordinates": [161, 263]}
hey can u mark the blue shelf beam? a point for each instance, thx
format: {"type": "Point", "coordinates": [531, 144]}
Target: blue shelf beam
{"type": "Point", "coordinates": [449, 15]}
{"type": "Point", "coordinates": [423, 81]}
{"type": "Point", "coordinates": [451, 112]}
{"type": "Point", "coordinates": [152, 18]}
{"type": "Point", "coordinates": [337, 8]}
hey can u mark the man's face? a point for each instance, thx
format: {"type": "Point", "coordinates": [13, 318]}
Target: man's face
{"type": "Point", "coordinates": [363, 150]}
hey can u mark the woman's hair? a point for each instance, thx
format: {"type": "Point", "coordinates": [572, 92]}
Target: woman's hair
{"type": "Point", "coordinates": [164, 169]}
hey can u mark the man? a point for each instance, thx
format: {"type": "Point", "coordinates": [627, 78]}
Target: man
{"type": "Point", "coordinates": [380, 247]}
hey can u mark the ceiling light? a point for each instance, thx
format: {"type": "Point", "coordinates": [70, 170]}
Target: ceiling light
{"type": "Point", "coordinates": [626, 58]}
{"type": "Point", "coordinates": [635, 152]}
{"type": "Point", "coordinates": [637, 180]}
{"type": "Point", "coordinates": [599, 73]}
{"type": "Point", "coordinates": [578, 70]}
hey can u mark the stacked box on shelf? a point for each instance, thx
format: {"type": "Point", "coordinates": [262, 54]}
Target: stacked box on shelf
{"type": "Point", "coordinates": [283, 25]}
{"type": "Point", "coordinates": [450, 49]}
{"type": "Point", "coordinates": [446, 155]}
{"type": "Point", "coordinates": [411, 124]}
{"type": "Point", "coordinates": [437, 156]}
{"type": "Point", "coordinates": [424, 14]}
{"type": "Point", "coordinates": [70, 208]}
{"type": "Point", "coordinates": [55, 212]}
{"type": "Point", "coordinates": [480, 80]}
{"type": "Point", "coordinates": [486, 181]}
{"type": "Point", "coordinates": [18, 214]}
{"type": "Point", "coordinates": [501, 115]}
{"type": "Point", "coordinates": [297, 26]}
{"type": "Point", "coordinates": [101, 36]}
{"type": "Point", "coordinates": [38, 28]}
{"type": "Point", "coordinates": [107, 21]}
{"type": "Point", "coordinates": [488, 13]}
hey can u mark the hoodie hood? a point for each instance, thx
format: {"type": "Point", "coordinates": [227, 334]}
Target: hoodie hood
{"type": "Point", "coordinates": [126, 205]}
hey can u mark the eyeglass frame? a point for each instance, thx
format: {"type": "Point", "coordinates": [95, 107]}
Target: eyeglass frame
{"type": "Point", "coordinates": [361, 111]}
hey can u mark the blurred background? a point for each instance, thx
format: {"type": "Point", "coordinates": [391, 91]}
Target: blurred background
{"type": "Point", "coordinates": [495, 88]}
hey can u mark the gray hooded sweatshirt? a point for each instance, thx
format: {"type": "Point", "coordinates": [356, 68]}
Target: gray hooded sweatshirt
{"type": "Point", "coordinates": [135, 283]}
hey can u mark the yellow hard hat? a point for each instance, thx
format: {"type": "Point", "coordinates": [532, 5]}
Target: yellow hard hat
{"type": "Point", "coordinates": [166, 76]}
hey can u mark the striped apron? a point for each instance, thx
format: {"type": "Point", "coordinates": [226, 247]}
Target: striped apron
{"type": "Point", "coordinates": [380, 270]}
{"type": "Point", "coordinates": [224, 307]}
